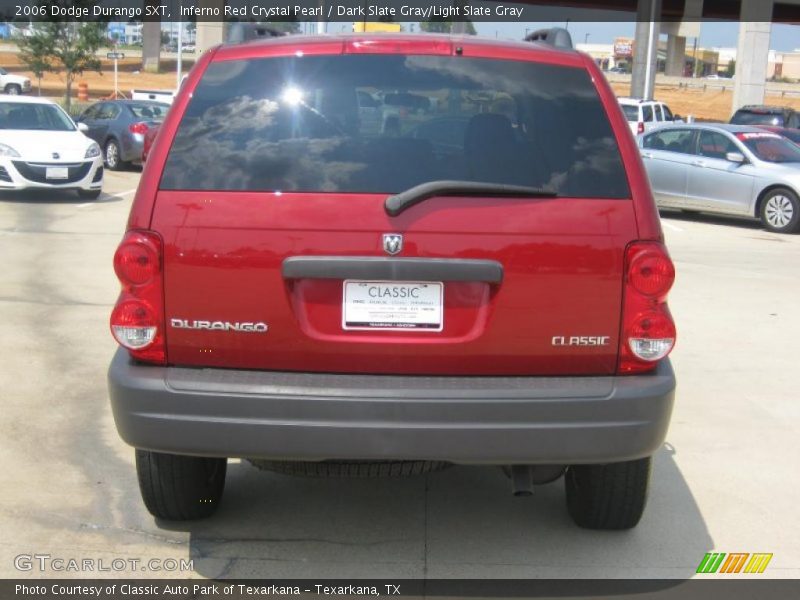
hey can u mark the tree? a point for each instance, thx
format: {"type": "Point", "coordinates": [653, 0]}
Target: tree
{"type": "Point", "coordinates": [67, 47]}
{"type": "Point", "coordinates": [442, 26]}
{"type": "Point", "coordinates": [730, 71]}
{"type": "Point", "coordinates": [34, 53]}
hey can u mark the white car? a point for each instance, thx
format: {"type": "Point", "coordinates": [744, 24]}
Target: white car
{"type": "Point", "coordinates": [41, 147]}
{"type": "Point", "coordinates": [644, 115]}
{"type": "Point", "coordinates": [13, 84]}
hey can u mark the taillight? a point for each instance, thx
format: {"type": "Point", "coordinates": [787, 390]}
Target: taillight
{"type": "Point", "coordinates": [137, 321]}
{"type": "Point", "coordinates": [648, 331]}
{"type": "Point", "coordinates": [640, 128]}
{"type": "Point", "coordinates": [140, 128]}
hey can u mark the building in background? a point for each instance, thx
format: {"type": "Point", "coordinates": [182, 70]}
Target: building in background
{"type": "Point", "coordinates": [362, 26]}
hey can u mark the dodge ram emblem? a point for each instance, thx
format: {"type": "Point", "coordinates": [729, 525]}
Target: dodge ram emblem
{"type": "Point", "coordinates": [392, 243]}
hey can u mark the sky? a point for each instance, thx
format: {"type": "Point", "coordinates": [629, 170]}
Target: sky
{"type": "Point", "coordinates": [712, 34]}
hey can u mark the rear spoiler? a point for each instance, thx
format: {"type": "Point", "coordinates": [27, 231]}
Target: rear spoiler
{"type": "Point", "coordinates": [557, 37]}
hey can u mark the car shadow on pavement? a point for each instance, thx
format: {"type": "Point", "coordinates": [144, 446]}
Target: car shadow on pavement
{"type": "Point", "coordinates": [53, 197]}
{"type": "Point", "coordinates": [712, 219]}
{"type": "Point", "coordinates": [462, 522]}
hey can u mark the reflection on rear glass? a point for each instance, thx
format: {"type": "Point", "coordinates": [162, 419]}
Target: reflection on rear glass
{"type": "Point", "coordinates": [385, 123]}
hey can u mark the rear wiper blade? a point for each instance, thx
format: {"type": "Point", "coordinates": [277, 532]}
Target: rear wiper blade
{"type": "Point", "coordinates": [397, 203]}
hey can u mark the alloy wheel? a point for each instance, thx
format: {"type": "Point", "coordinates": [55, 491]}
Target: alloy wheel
{"type": "Point", "coordinates": [779, 211]}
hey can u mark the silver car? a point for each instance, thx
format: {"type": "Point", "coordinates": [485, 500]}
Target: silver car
{"type": "Point", "coordinates": [727, 169]}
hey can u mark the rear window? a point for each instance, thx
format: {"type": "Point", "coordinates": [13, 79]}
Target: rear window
{"type": "Point", "coordinates": [746, 117]}
{"type": "Point", "coordinates": [155, 112]}
{"type": "Point", "coordinates": [301, 124]}
{"type": "Point", "coordinates": [631, 112]}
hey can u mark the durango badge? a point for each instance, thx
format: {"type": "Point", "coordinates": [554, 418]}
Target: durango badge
{"type": "Point", "coordinates": [219, 326]}
{"type": "Point", "coordinates": [392, 243]}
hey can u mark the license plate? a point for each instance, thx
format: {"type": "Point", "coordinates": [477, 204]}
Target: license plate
{"type": "Point", "coordinates": [393, 305]}
{"type": "Point", "coordinates": [57, 172]}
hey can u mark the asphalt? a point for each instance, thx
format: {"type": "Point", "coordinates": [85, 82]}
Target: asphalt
{"type": "Point", "coordinates": [726, 480]}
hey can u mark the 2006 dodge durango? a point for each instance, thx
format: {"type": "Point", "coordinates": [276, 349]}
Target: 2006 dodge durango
{"type": "Point", "coordinates": [381, 255]}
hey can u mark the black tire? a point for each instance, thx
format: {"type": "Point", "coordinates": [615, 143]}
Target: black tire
{"type": "Point", "coordinates": [13, 89]}
{"type": "Point", "coordinates": [111, 157]}
{"type": "Point", "coordinates": [180, 488]}
{"type": "Point", "coordinates": [780, 211]}
{"type": "Point", "coordinates": [351, 469]}
{"type": "Point", "coordinates": [611, 496]}
{"type": "Point", "coordinates": [89, 194]}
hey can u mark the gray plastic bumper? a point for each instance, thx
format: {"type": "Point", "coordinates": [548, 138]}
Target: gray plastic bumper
{"type": "Point", "coordinates": [311, 416]}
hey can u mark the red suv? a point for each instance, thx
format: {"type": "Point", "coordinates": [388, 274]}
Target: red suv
{"type": "Point", "coordinates": [484, 282]}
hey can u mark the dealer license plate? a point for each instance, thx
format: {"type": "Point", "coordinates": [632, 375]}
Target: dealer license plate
{"type": "Point", "coordinates": [394, 305]}
{"type": "Point", "coordinates": [57, 172]}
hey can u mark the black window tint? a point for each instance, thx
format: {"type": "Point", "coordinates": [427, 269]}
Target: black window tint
{"type": "Point", "coordinates": [296, 124]}
{"type": "Point", "coordinates": [648, 112]}
{"type": "Point", "coordinates": [659, 114]}
{"type": "Point", "coordinates": [668, 116]}
{"type": "Point", "coordinates": [745, 117]}
{"type": "Point", "coordinates": [715, 145]}
{"type": "Point", "coordinates": [671, 140]}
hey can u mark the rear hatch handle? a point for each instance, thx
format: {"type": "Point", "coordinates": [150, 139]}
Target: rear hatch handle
{"type": "Point", "coordinates": [397, 203]}
{"type": "Point", "coordinates": [372, 268]}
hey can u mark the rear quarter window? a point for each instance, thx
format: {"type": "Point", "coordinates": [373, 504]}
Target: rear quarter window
{"type": "Point", "coordinates": [631, 112]}
{"type": "Point", "coordinates": [301, 124]}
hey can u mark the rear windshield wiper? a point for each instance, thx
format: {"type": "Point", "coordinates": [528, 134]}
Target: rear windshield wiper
{"type": "Point", "coordinates": [397, 203]}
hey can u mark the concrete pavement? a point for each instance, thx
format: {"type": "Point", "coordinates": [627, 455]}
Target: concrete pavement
{"type": "Point", "coordinates": [727, 479]}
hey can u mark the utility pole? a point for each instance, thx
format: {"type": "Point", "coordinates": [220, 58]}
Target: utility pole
{"type": "Point", "coordinates": [180, 56]}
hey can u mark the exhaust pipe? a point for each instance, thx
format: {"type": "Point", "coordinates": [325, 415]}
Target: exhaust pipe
{"type": "Point", "coordinates": [522, 480]}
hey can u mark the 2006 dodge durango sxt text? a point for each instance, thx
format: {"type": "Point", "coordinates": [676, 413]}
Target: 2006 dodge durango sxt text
{"type": "Point", "coordinates": [493, 195]}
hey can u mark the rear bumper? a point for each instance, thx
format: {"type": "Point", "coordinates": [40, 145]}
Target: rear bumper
{"type": "Point", "coordinates": [471, 420]}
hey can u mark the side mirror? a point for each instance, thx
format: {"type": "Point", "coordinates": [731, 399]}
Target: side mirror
{"type": "Point", "coordinates": [83, 127]}
{"type": "Point", "coordinates": [735, 157]}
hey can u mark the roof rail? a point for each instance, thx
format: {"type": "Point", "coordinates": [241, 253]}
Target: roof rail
{"type": "Point", "coordinates": [557, 37]}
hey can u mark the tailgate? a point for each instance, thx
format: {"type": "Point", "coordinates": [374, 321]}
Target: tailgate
{"type": "Point", "coordinates": [555, 309]}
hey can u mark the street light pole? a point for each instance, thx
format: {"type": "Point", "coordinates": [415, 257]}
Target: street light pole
{"type": "Point", "coordinates": [180, 56]}
{"type": "Point", "coordinates": [586, 38]}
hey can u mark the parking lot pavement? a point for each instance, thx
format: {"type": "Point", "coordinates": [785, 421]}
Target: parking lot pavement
{"type": "Point", "coordinates": [727, 480]}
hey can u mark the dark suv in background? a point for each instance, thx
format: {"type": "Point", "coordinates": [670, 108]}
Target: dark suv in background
{"type": "Point", "coordinates": [775, 116]}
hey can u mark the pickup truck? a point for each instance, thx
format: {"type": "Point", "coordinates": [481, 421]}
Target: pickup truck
{"type": "Point", "coordinates": [14, 84]}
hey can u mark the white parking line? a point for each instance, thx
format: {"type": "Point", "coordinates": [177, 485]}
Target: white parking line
{"type": "Point", "coordinates": [671, 226]}
{"type": "Point", "coordinates": [127, 193]}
